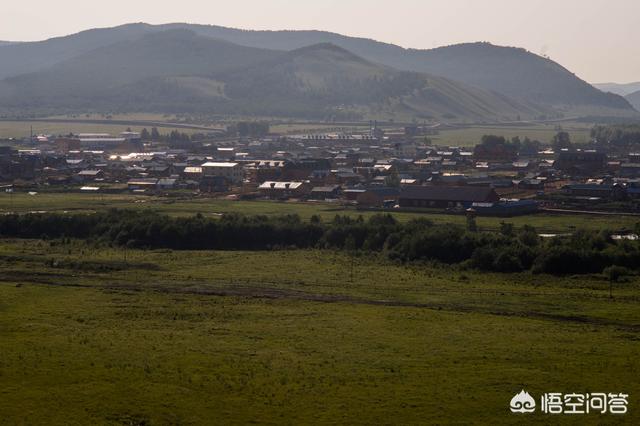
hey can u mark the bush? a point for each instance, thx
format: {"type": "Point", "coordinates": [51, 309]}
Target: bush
{"type": "Point", "coordinates": [615, 273]}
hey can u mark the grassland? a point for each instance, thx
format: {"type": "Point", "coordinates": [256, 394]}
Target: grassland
{"type": "Point", "coordinates": [469, 137]}
{"type": "Point", "coordinates": [77, 202]}
{"type": "Point", "coordinates": [464, 137]}
{"type": "Point", "coordinates": [93, 335]}
{"type": "Point", "coordinates": [22, 129]}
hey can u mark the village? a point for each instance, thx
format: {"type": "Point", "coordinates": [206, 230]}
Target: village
{"type": "Point", "coordinates": [391, 168]}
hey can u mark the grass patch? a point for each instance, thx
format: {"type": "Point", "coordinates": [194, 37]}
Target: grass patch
{"type": "Point", "coordinates": [287, 337]}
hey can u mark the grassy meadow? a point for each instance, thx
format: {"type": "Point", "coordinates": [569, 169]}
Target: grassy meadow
{"type": "Point", "coordinates": [471, 136]}
{"type": "Point", "coordinates": [93, 335]}
{"type": "Point", "coordinates": [22, 129]}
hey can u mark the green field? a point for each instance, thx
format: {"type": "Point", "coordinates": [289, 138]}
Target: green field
{"type": "Point", "coordinates": [186, 206]}
{"type": "Point", "coordinates": [22, 129]}
{"type": "Point", "coordinates": [465, 137]}
{"type": "Point", "coordinates": [92, 335]}
{"type": "Point", "coordinates": [469, 137]}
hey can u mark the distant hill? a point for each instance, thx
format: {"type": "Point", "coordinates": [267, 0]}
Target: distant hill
{"type": "Point", "coordinates": [27, 57]}
{"type": "Point", "coordinates": [327, 76]}
{"type": "Point", "coordinates": [178, 70]}
{"type": "Point", "coordinates": [511, 71]}
{"type": "Point", "coordinates": [634, 99]}
{"type": "Point", "coordinates": [525, 82]}
{"type": "Point", "coordinates": [619, 89]}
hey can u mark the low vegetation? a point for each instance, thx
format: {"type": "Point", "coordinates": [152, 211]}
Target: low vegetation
{"type": "Point", "coordinates": [262, 336]}
{"type": "Point", "coordinates": [508, 250]}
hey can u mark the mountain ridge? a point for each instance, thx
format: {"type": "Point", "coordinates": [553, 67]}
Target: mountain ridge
{"type": "Point", "coordinates": [634, 99]}
{"type": "Point", "coordinates": [521, 77]}
{"type": "Point", "coordinates": [180, 70]}
{"type": "Point", "coordinates": [622, 89]}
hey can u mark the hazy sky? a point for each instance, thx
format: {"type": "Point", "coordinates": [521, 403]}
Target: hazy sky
{"type": "Point", "coordinates": [599, 40]}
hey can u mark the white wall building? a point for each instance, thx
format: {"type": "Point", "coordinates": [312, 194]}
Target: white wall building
{"type": "Point", "coordinates": [233, 172]}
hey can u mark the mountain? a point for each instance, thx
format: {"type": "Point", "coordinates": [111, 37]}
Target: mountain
{"type": "Point", "coordinates": [511, 71]}
{"type": "Point", "coordinates": [520, 77]}
{"type": "Point", "coordinates": [329, 78]}
{"type": "Point", "coordinates": [619, 89]}
{"type": "Point", "coordinates": [26, 57]}
{"type": "Point", "coordinates": [634, 99]}
{"type": "Point", "coordinates": [179, 70]}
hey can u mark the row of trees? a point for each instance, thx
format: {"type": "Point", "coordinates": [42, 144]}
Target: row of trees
{"type": "Point", "coordinates": [622, 135]}
{"type": "Point", "coordinates": [254, 129]}
{"type": "Point", "coordinates": [509, 250]}
{"type": "Point", "coordinates": [492, 145]}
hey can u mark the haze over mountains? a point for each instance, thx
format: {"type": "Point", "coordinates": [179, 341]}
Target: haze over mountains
{"type": "Point", "coordinates": [623, 89]}
{"type": "Point", "coordinates": [197, 68]}
{"type": "Point", "coordinates": [634, 99]}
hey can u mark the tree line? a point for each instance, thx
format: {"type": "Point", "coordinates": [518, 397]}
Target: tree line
{"type": "Point", "coordinates": [622, 135]}
{"type": "Point", "coordinates": [507, 250]}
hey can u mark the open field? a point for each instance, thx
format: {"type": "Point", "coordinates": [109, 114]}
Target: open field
{"type": "Point", "coordinates": [469, 137]}
{"type": "Point", "coordinates": [76, 202]}
{"type": "Point", "coordinates": [465, 137]}
{"type": "Point", "coordinates": [103, 336]}
{"type": "Point", "coordinates": [22, 129]}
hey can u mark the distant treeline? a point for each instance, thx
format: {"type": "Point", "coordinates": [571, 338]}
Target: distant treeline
{"type": "Point", "coordinates": [618, 134]}
{"type": "Point", "coordinates": [509, 250]}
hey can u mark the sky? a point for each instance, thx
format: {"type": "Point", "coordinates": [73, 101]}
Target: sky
{"type": "Point", "coordinates": [596, 39]}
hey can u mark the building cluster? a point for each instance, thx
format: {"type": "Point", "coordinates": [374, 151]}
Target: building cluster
{"type": "Point", "coordinates": [394, 169]}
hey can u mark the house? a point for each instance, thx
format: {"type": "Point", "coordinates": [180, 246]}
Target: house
{"type": "Point", "coordinates": [445, 197]}
{"type": "Point", "coordinates": [265, 170]}
{"type": "Point", "coordinates": [325, 192]}
{"type": "Point", "coordinates": [166, 183]}
{"type": "Point", "coordinates": [193, 173]}
{"type": "Point", "coordinates": [582, 163]}
{"type": "Point", "coordinates": [378, 197]}
{"type": "Point", "coordinates": [302, 169]}
{"type": "Point", "coordinates": [629, 170]}
{"type": "Point", "coordinates": [231, 171]}
{"type": "Point", "coordinates": [211, 184]}
{"type": "Point", "coordinates": [142, 184]}
{"type": "Point", "coordinates": [284, 189]}
{"type": "Point", "coordinates": [89, 175]}
{"type": "Point", "coordinates": [594, 190]}
{"type": "Point", "coordinates": [65, 145]}
{"type": "Point", "coordinates": [532, 184]}
{"type": "Point", "coordinates": [352, 194]}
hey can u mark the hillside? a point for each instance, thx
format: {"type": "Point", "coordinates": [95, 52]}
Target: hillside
{"type": "Point", "coordinates": [619, 89]}
{"type": "Point", "coordinates": [634, 99]}
{"type": "Point", "coordinates": [178, 70]}
{"type": "Point", "coordinates": [128, 74]}
{"type": "Point", "coordinates": [513, 72]}
{"type": "Point", "coordinates": [510, 71]}
{"type": "Point", "coordinates": [22, 58]}
{"type": "Point", "coordinates": [326, 76]}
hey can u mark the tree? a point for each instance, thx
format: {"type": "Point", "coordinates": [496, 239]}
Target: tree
{"type": "Point", "coordinates": [562, 140]}
{"type": "Point", "coordinates": [155, 135]}
{"type": "Point", "coordinates": [472, 225]}
{"type": "Point", "coordinates": [350, 247]}
{"type": "Point", "coordinates": [506, 229]}
{"type": "Point", "coordinates": [614, 274]}
{"type": "Point", "coordinates": [393, 180]}
{"type": "Point", "coordinates": [145, 135]}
